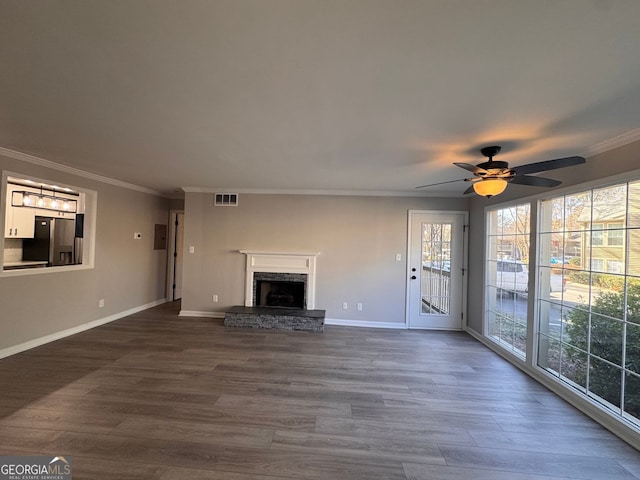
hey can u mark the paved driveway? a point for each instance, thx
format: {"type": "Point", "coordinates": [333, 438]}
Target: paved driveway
{"type": "Point", "coordinates": [575, 294]}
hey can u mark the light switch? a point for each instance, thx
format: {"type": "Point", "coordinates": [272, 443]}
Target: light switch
{"type": "Point", "coordinates": [398, 257]}
{"type": "Point", "coordinates": [192, 249]}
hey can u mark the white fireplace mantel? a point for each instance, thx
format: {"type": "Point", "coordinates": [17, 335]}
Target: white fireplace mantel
{"type": "Point", "coordinates": [281, 262]}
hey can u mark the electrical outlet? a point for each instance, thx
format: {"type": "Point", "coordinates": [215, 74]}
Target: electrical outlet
{"type": "Point", "coordinates": [359, 307]}
{"type": "Point", "coordinates": [215, 299]}
{"type": "Point", "coordinates": [345, 306]}
{"type": "Point", "coordinates": [101, 303]}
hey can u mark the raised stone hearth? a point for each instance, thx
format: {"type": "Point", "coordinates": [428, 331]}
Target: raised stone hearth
{"type": "Point", "coordinates": [279, 318]}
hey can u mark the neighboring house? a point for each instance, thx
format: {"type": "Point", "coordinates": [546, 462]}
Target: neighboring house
{"type": "Point", "coordinates": [603, 237]}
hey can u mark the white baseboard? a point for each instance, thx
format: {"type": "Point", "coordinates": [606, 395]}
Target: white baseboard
{"type": "Point", "coordinates": [6, 352]}
{"type": "Point", "coordinates": [618, 427]}
{"type": "Point", "coordinates": [364, 323]}
{"type": "Point", "coordinates": [196, 313]}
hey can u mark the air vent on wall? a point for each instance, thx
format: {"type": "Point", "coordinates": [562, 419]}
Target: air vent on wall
{"type": "Point", "coordinates": [225, 200]}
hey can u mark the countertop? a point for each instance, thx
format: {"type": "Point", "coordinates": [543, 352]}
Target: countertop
{"type": "Point", "coordinates": [25, 264]}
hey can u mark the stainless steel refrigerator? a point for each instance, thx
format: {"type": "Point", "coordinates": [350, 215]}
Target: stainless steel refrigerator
{"type": "Point", "coordinates": [53, 241]}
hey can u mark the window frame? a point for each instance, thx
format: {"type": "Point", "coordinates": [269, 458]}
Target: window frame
{"type": "Point", "coordinates": [616, 227]}
{"type": "Point", "coordinates": [598, 233]}
{"type": "Point", "coordinates": [595, 317]}
{"type": "Point", "coordinates": [600, 262]}
{"type": "Point", "coordinates": [622, 425]}
{"type": "Point", "coordinates": [512, 268]}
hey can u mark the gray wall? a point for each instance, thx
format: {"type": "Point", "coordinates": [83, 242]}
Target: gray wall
{"type": "Point", "coordinates": [357, 237]}
{"type": "Point", "coordinates": [609, 164]}
{"type": "Point", "coordinates": [128, 273]}
{"type": "Point", "coordinates": [176, 204]}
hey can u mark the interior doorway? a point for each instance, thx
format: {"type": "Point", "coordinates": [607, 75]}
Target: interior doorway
{"type": "Point", "coordinates": [175, 255]}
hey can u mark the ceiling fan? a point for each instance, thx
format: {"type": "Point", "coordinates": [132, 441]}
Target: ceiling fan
{"type": "Point", "coordinates": [491, 177]}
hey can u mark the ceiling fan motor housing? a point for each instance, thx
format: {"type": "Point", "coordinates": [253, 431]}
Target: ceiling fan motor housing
{"type": "Point", "coordinates": [492, 167]}
{"type": "Point", "coordinates": [491, 151]}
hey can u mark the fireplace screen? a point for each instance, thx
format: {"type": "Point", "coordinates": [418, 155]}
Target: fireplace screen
{"type": "Point", "coordinates": [284, 294]}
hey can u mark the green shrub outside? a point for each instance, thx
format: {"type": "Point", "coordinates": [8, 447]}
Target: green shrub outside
{"type": "Point", "coordinates": [602, 280]}
{"type": "Point", "coordinates": [606, 342]}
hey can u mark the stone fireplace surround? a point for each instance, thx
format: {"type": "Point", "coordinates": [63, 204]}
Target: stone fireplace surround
{"type": "Point", "coordinates": [287, 266]}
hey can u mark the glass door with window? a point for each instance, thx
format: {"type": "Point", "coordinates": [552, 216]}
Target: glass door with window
{"type": "Point", "coordinates": [435, 291]}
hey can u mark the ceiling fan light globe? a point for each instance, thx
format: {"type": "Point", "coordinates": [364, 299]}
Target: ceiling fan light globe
{"type": "Point", "coordinates": [490, 187]}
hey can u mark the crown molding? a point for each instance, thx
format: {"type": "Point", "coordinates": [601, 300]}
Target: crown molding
{"type": "Point", "coordinates": [615, 142]}
{"type": "Point", "coordinates": [604, 146]}
{"type": "Point", "coordinates": [25, 157]}
{"type": "Point", "coordinates": [352, 193]}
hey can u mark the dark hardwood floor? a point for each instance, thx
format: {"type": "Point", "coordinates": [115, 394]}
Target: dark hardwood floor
{"type": "Point", "coordinates": [159, 396]}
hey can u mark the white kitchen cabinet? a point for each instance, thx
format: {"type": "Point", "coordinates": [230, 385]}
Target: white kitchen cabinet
{"type": "Point", "coordinates": [53, 214]}
{"type": "Point", "coordinates": [19, 221]}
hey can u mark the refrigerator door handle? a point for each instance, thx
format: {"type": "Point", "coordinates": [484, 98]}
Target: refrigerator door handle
{"type": "Point", "coordinates": [52, 236]}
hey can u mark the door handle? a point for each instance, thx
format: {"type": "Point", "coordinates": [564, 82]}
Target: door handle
{"type": "Point", "coordinates": [413, 277]}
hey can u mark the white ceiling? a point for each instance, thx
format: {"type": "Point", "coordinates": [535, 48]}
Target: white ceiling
{"type": "Point", "coordinates": [357, 95]}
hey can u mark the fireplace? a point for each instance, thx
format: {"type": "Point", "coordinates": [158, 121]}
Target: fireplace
{"type": "Point", "coordinates": [282, 280]}
{"type": "Point", "coordinates": [279, 293]}
{"type": "Point", "coordinates": [284, 290]}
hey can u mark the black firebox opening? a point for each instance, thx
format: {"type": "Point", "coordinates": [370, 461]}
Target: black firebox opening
{"type": "Point", "coordinates": [270, 293]}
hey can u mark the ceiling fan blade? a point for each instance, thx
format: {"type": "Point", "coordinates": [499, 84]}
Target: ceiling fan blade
{"type": "Point", "coordinates": [469, 190]}
{"type": "Point", "coordinates": [441, 183]}
{"type": "Point", "coordinates": [471, 168]}
{"type": "Point", "coordinates": [535, 181]}
{"type": "Point", "coordinates": [548, 165]}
